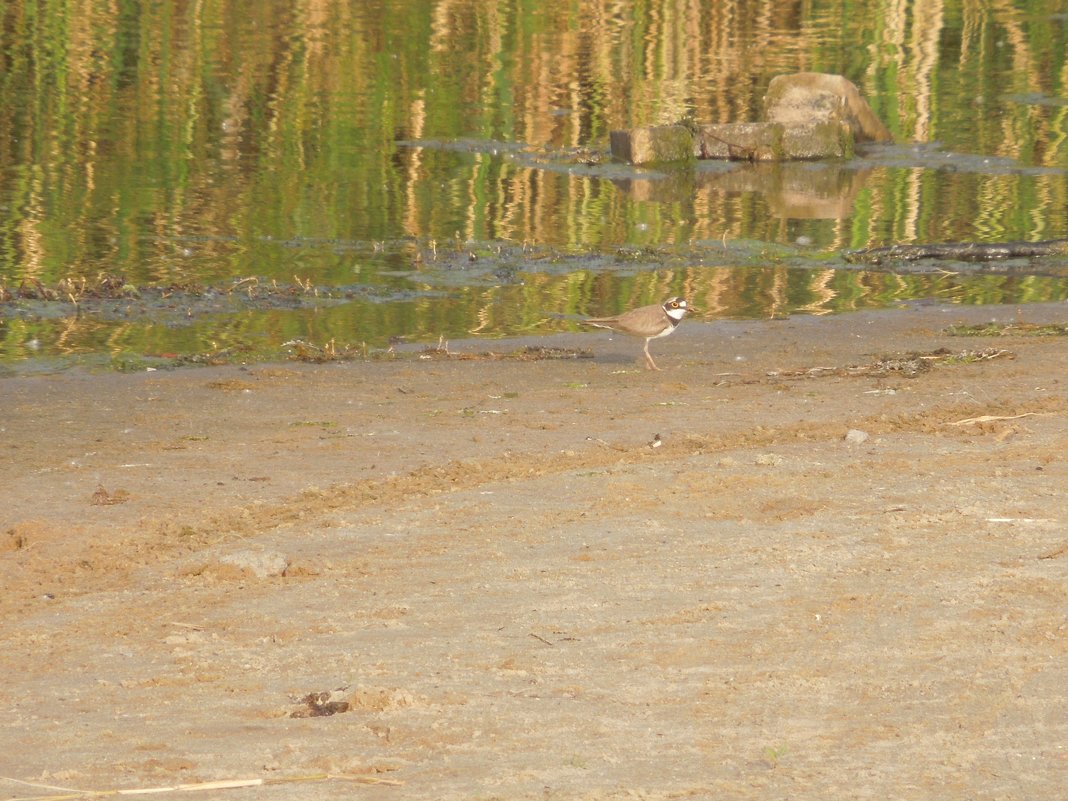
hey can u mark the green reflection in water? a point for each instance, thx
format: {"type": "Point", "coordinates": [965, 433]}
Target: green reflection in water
{"type": "Point", "coordinates": [203, 143]}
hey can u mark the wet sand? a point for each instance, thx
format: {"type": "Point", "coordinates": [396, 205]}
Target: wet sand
{"type": "Point", "coordinates": [505, 591]}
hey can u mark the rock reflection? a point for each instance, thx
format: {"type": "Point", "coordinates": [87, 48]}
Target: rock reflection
{"type": "Point", "coordinates": [791, 190]}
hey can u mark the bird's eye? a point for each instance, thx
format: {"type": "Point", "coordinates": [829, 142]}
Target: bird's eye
{"type": "Point", "coordinates": [674, 304]}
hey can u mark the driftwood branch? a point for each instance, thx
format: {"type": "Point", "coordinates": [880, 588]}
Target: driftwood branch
{"type": "Point", "coordinates": [960, 251]}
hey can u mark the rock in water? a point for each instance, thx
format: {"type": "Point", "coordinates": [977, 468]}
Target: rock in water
{"type": "Point", "coordinates": [811, 97]}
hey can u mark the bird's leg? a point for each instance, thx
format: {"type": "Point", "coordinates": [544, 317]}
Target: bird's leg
{"type": "Point", "coordinates": [649, 363]}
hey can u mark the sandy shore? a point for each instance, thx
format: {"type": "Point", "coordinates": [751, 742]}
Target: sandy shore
{"type": "Point", "coordinates": [504, 591]}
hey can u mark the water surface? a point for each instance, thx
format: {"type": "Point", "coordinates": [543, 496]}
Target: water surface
{"type": "Point", "coordinates": [423, 169]}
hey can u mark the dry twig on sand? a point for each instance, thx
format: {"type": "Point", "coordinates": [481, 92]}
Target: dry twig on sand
{"type": "Point", "coordinates": [991, 418]}
{"type": "Point", "coordinates": [67, 794]}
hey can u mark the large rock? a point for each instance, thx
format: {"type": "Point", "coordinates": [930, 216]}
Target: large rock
{"type": "Point", "coordinates": [818, 140]}
{"type": "Point", "coordinates": [741, 141]}
{"type": "Point", "coordinates": [774, 141]}
{"type": "Point", "coordinates": [805, 98]}
{"type": "Point", "coordinates": [807, 116]}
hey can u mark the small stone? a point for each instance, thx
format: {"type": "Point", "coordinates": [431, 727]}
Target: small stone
{"type": "Point", "coordinates": [769, 460]}
{"type": "Point", "coordinates": [261, 564]}
{"type": "Point", "coordinates": [653, 144]}
{"type": "Point", "coordinates": [855, 436]}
